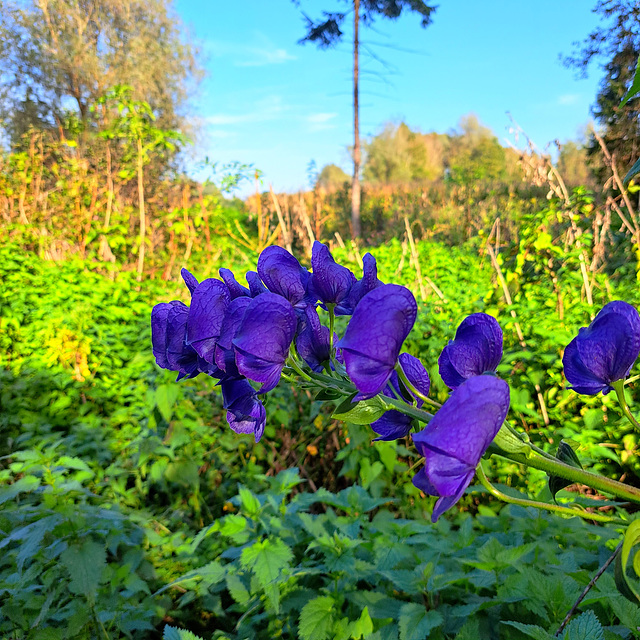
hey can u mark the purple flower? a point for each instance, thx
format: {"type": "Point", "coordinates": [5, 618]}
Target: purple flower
{"type": "Point", "coordinates": [282, 274]}
{"type": "Point", "coordinates": [394, 424]}
{"type": "Point", "coordinates": [368, 282]}
{"type": "Point", "coordinates": [255, 284]}
{"type": "Point", "coordinates": [225, 356]}
{"type": "Point", "coordinates": [245, 412]}
{"type": "Point", "coordinates": [209, 303]}
{"type": "Point", "coordinates": [330, 282]}
{"type": "Point", "coordinates": [371, 344]}
{"type": "Point", "coordinates": [168, 328]}
{"type": "Point", "coordinates": [605, 351]}
{"type": "Point", "coordinates": [236, 290]}
{"type": "Point", "coordinates": [312, 342]}
{"type": "Point", "coordinates": [457, 437]}
{"type": "Point", "coordinates": [477, 349]}
{"type": "Point", "coordinates": [263, 339]}
{"type": "Point", "coordinates": [189, 280]}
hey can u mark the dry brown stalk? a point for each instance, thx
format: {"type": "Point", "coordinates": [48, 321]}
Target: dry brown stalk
{"type": "Point", "coordinates": [283, 227]}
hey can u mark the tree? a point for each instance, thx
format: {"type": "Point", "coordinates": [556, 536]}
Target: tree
{"type": "Point", "coordinates": [398, 155]}
{"type": "Point", "coordinates": [617, 43]}
{"type": "Point", "coordinates": [61, 56]}
{"type": "Point", "coordinates": [573, 165]}
{"type": "Point", "coordinates": [332, 177]}
{"type": "Point", "coordinates": [327, 32]}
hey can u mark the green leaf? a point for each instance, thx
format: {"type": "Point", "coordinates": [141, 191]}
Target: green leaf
{"type": "Point", "coordinates": [416, 622]}
{"type": "Point", "coordinates": [566, 454]}
{"type": "Point", "coordinates": [328, 394]}
{"type": "Point", "coordinates": [635, 170]}
{"type": "Point", "coordinates": [531, 630]}
{"type": "Point", "coordinates": [363, 412]}
{"type": "Point", "coordinates": [317, 619]}
{"type": "Point", "coordinates": [24, 485]}
{"type": "Point", "coordinates": [85, 564]}
{"type": "Point", "coordinates": [363, 626]}
{"type": "Point", "coordinates": [249, 502]}
{"type": "Point", "coordinates": [237, 589]}
{"type": "Point", "coordinates": [634, 89]}
{"type": "Point", "coordinates": [166, 396]}
{"type": "Point", "coordinates": [171, 633]}
{"type": "Point", "coordinates": [585, 627]}
{"type": "Point", "coordinates": [623, 581]}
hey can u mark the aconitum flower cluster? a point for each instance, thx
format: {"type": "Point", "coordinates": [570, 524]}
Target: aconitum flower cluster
{"type": "Point", "coordinates": [246, 337]}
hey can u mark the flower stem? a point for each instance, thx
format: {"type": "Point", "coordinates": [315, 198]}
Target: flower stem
{"type": "Point", "coordinates": [484, 481]}
{"type": "Point", "coordinates": [618, 387]}
{"type": "Point", "coordinates": [418, 394]}
{"type": "Point", "coordinates": [553, 466]}
{"type": "Point", "coordinates": [332, 321]}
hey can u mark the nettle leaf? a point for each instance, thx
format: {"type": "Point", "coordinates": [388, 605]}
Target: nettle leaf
{"type": "Point", "coordinates": [171, 633]}
{"type": "Point", "coordinates": [362, 412]}
{"type": "Point", "coordinates": [24, 485]}
{"type": "Point", "coordinates": [628, 586]}
{"type": "Point", "coordinates": [166, 396]}
{"type": "Point", "coordinates": [566, 454]}
{"type": "Point", "coordinates": [85, 564]}
{"type": "Point", "coordinates": [531, 630]}
{"type": "Point", "coordinates": [416, 622]}
{"type": "Point", "coordinates": [317, 619]}
{"type": "Point", "coordinates": [249, 502]}
{"type": "Point", "coordinates": [585, 627]}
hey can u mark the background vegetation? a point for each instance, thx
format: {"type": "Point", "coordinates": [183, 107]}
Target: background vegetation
{"type": "Point", "coordinates": [128, 504]}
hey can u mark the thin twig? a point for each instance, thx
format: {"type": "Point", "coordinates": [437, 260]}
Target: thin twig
{"type": "Point", "coordinates": [583, 595]}
{"type": "Point", "coordinates": [285, 232]}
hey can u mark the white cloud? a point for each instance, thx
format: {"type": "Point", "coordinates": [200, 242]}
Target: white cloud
{"type": "Point", "coordinates": [263, 57]}
{"type": "Point", "coordinates": [568, 99]}
{"type": "Point", "coordinates": [258, 53]}
{"type": "Point", "coordinates": [269, 108]}
{"type": "Point", "coordinates": [321, 121]}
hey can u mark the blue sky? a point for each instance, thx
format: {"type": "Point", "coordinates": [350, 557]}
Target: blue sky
{"type": "Point", "coordinates": [278, 105]}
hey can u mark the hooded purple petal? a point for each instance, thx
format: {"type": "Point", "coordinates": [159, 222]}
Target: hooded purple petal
{"type": "Point", "coordinates": [368, 282]}
{"type": "Point", "coordinates": [180, 356]}
{"type": "Point", "coordinates": [394, 424]}
{"type": "Point", "coordinates": [605, 351]}
{"type": "Point", "coordinates": [457, 437]}
{"type": "Point", "coordinates": [256, 287]}
{"type": "Point", "coordinates": [236, 290]}
{"type": "Point", "coordinates": [189, 280]}
{"type": "Point", "coordinates": [209, 303]}
{"type": "Point", "coordinates": [245, 412]}
{"type": "Point", "coordinates": [263, 339]}
{"type": "Point", "coordinates": [312, 342]}
{"type": "Point", "coordinates": [224, 354]}
{"type": "Point", "coordinates": [330, 282]}
{"type": "Point", "coordinates": [159, 319]}
{"type": "Point", "coordinates": [282, 274]}
{"type": "Point", "coordinates": [477, 349]}
{"type": "Point", "coordinates": [375, 334]}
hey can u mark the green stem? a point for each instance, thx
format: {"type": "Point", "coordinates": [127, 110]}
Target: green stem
{"type": "Point", "coordinates": [332, 321]}
{"type": "Point", "coordinates": [484, 481]}
{"type": "Point", "coordinates": [407, 409]}
{"type": "Point", "coordinates": [618, 387]}
{"type": "Point", "coordinates": [418, 394]}
{"type": "Point", "coordinates": [553, 466]}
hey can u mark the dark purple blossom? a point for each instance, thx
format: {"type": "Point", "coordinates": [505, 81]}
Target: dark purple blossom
{"type": "Point", "coordinates": [189, 280]}
{"type": "Point", "coordinates": [368, 282]}
{"type": "Point", "coordinates": [245, 412]}
{"type": "Point", "coordinates": [312, 342]}
{"type": "Point", "coordinates": [282, 274]}
{"type": "Point", "coordinates": [256, 287]}
{"type": "Point", "coordinates": [209, 303]}
{"type": "Point", "coordinates": [373, 339]}
{"type": "Point", "coordinates": [263, 339]}
{"type": "Point", "coordinates": [236, 290]}
{"type": "Point", "coordinates": [330, 282]}
{"type": "Point", "coordinates": [457, 436]}
{"type": "Point", "coordinates": [225, 356]}
{"type": "Point", "coordinates": [605, 351]}
{"type": "Point", "coordinates": [477, 349]}
{"type": "Point", "coordinates": [394, 424]}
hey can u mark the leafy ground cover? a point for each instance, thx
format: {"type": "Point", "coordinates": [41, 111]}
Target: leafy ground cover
{"type": "Point", "coordinates": [128, 504]}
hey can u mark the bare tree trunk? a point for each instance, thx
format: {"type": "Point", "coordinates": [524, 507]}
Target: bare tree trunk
{"type": "Point", "coordinates": [355, 185]}
{"type": "Point", "coordinates": [107, 216]}
{"type": "Point", "coordinates": [143, 222]}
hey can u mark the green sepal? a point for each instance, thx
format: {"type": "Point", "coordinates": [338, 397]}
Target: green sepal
{"type": "Point", "coordinates": [362, 412]}
{"type": "Point", "coordinates": [566, 454]}
{"type": "Point", "coordinates": [510, 442]}
{"type": "Point", "coordinates": [625, 587]}
{"type": "Point", "coordinates": [328, 394]}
